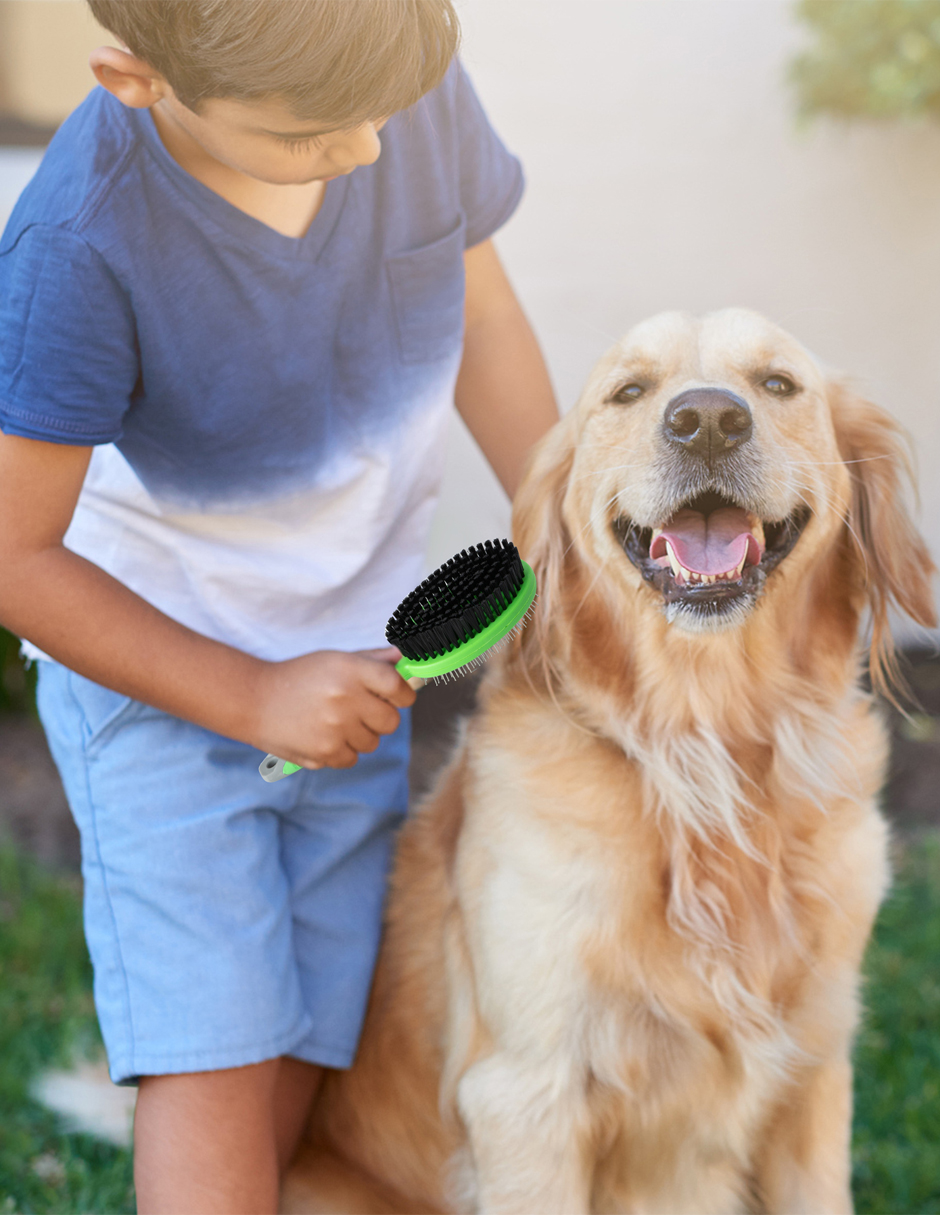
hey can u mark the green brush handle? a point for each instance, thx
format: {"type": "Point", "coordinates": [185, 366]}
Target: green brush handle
{"type": "Point", "coordinates": [273, 769]}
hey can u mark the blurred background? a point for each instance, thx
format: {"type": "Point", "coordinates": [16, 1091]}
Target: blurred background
{"type": "Point", "coordinates": [689, 154]}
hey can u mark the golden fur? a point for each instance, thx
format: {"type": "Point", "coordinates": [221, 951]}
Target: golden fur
{"type": "Point", "coordinates": [621, 967]}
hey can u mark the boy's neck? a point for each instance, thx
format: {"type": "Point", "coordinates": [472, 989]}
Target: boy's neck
{"type": "Point", "coordinates": [288, 209]}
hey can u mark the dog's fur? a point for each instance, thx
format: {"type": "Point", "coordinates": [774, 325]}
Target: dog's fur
{"type": "Point", "coordinates": [622, 963]}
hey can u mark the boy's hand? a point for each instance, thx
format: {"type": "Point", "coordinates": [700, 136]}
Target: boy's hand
{"type": "Point", "coordinates": [328, 707]}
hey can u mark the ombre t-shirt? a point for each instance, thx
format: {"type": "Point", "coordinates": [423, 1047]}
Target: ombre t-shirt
{"type": "Point", "coordinates": [268, 413]}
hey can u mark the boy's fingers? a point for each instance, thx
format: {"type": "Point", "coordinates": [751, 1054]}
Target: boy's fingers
{"type": "Point", "coordinates": [380, 716]}
{"type": "Point", "coordinates": [385, 653]}
{"type": "Point", "coordinates": [383, 680]}
{"type": "Point", "coordinates": [363, 739]}
{"type": "Point", "coordinates": [343, 757]}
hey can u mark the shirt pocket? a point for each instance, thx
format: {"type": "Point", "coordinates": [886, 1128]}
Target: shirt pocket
{"type": "Point", "coordinates": [427, 288]}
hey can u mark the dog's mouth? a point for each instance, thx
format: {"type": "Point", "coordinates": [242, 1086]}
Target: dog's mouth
{"type": "Point", "coordinates": [712, 556]}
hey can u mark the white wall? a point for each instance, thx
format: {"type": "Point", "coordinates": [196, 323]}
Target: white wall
{"type": "Point", "coordinates": [665, 171]}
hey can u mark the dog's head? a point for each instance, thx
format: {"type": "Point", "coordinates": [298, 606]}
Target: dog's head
{"type": "Point", "coordinates": [712, 481]}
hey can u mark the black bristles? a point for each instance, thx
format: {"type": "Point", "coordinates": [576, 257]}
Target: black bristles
{"type": "Point", "coordinates": [458, 600]}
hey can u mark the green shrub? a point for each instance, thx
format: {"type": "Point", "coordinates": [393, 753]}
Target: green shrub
{"type": "Point", "coordinates": [869, 59]}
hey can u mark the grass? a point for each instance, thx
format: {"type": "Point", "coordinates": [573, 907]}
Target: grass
{"type": "Point", "coordinates": [896, 1150]}
{"type": "Point", "coordinates": [47, 1017]}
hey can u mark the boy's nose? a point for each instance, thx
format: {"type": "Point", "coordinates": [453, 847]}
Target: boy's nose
{"type": "Point", "coordinates": [362, 146]}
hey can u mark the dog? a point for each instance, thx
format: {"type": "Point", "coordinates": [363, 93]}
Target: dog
{"type": "Point", "coordinates": [621, 967]}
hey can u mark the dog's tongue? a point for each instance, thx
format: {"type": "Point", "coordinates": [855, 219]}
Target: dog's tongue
{"type": "Point", "coordinates": [709, 544]}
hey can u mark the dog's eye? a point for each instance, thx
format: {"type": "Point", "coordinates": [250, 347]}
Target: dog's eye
{"type": "Point", "coordinates": [627, 393]}
{"type": "Point", "coordinates": [779, 385]}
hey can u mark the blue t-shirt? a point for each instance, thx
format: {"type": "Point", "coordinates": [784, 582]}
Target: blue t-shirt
{"type": "Point", "coordinates": [270, 411]}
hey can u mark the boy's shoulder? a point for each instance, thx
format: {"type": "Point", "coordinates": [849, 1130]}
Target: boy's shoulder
{"type": "Point", "coordinates": [87, 158]}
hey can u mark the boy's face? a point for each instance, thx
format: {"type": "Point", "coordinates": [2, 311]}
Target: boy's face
{"type": "Point", "coordinates": [264, 140]}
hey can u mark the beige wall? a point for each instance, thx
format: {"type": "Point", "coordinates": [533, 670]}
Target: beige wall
{"type": "Point", "coordinates": [44, 48]}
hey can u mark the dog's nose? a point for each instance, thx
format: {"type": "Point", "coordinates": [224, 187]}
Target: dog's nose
{"type": "Point", "coordinates": [707, 422]}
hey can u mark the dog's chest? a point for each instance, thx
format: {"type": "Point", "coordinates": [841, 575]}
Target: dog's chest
{"type": "Point", "coordinates": [574, 956]}
{"type": "Point", "coordinates": [575, 952]}
{"type": "Point", "coordinates": [671, 984]}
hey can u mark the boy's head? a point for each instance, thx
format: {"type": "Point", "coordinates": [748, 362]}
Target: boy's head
{"type": "Point", "coordinates": [286, 91]}
{"type": "Point", "coordinates": [339, 62]}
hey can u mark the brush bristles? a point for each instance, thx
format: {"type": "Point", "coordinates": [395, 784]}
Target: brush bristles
{"type": "Point", "coordinates": [457, 601]}
{"type": "Point", "coordinates": [481, 659]}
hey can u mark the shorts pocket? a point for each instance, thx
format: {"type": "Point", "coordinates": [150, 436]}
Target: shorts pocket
{"type": "Point", "coordinates": [427, 287]}
{"type": "Point", "coordinates": [103, 712]}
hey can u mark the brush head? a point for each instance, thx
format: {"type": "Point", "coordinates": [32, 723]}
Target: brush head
{"type": "Point", "coordinates": [461, 599]}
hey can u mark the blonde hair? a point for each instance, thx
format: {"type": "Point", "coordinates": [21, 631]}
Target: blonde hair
{"type": "Point", "coordinates": [342, 62]}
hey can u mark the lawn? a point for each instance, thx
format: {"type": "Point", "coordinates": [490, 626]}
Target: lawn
{"type": "Point", "coordinates": [896, 1149]}
{"type": "Point", "coordinates": [46, 1017]}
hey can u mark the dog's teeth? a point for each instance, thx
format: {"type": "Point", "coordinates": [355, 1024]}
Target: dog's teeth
{"type": "Point", "coordinates": [673, 561]}
{"type": "Point", "coordinates": [757, 531]}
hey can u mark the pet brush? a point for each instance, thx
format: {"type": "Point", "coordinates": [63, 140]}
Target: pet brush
{"type": "Point", "coordinates": [445, 626]}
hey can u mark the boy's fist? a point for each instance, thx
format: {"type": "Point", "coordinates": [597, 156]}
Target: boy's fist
{"type": "Point", "coordinates": [324, 709]}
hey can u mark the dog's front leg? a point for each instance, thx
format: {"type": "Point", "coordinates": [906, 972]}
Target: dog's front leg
{"type": "Point", "coordinates": [527, 1130]}
{"type": "Point", "coordinates": [804, 1167]}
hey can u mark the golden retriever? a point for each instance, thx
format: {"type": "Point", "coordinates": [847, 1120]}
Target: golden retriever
{"type": "Point", "coordinates": [621, 969]}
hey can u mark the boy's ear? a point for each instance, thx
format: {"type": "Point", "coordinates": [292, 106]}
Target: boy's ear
{"type": "Point", "coordinates": [132, 81]}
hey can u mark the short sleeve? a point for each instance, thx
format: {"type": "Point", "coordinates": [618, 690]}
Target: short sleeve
{"type": "Point", "coordinates": [68, 349]}
{"type": "Point", "coordinates": [491, 178]}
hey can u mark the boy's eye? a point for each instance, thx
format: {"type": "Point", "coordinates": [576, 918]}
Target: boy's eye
{"type": "Point", "coordinates": [299, 145]}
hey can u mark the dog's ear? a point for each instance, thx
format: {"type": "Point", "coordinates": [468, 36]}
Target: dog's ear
{"type": "Point", "coordinates": [538, 528]}
{"type": "Point", "coordinates": [895, 565]}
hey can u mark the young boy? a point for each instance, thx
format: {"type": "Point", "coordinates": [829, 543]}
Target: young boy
{"type": "Point", "coordinates": [230, 333]}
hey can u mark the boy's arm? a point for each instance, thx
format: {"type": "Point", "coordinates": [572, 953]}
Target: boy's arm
{"type": "Point", "coordinates": [503, 390]}
{"type": "Point", "coordinates": [321, 708]}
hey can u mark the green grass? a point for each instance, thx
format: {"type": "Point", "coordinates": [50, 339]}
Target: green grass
{"type": "Point", "coordinates": [47, 1017]}
{"type": "Point", "coordinates": [896, 1151]}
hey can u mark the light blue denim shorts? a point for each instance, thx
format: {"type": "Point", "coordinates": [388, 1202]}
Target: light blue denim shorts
{"type": "Point", "coordinates": [228, 920]}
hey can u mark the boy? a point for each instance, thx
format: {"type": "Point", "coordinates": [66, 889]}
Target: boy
{"type": "Point", "coordinates": [229, 334]}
